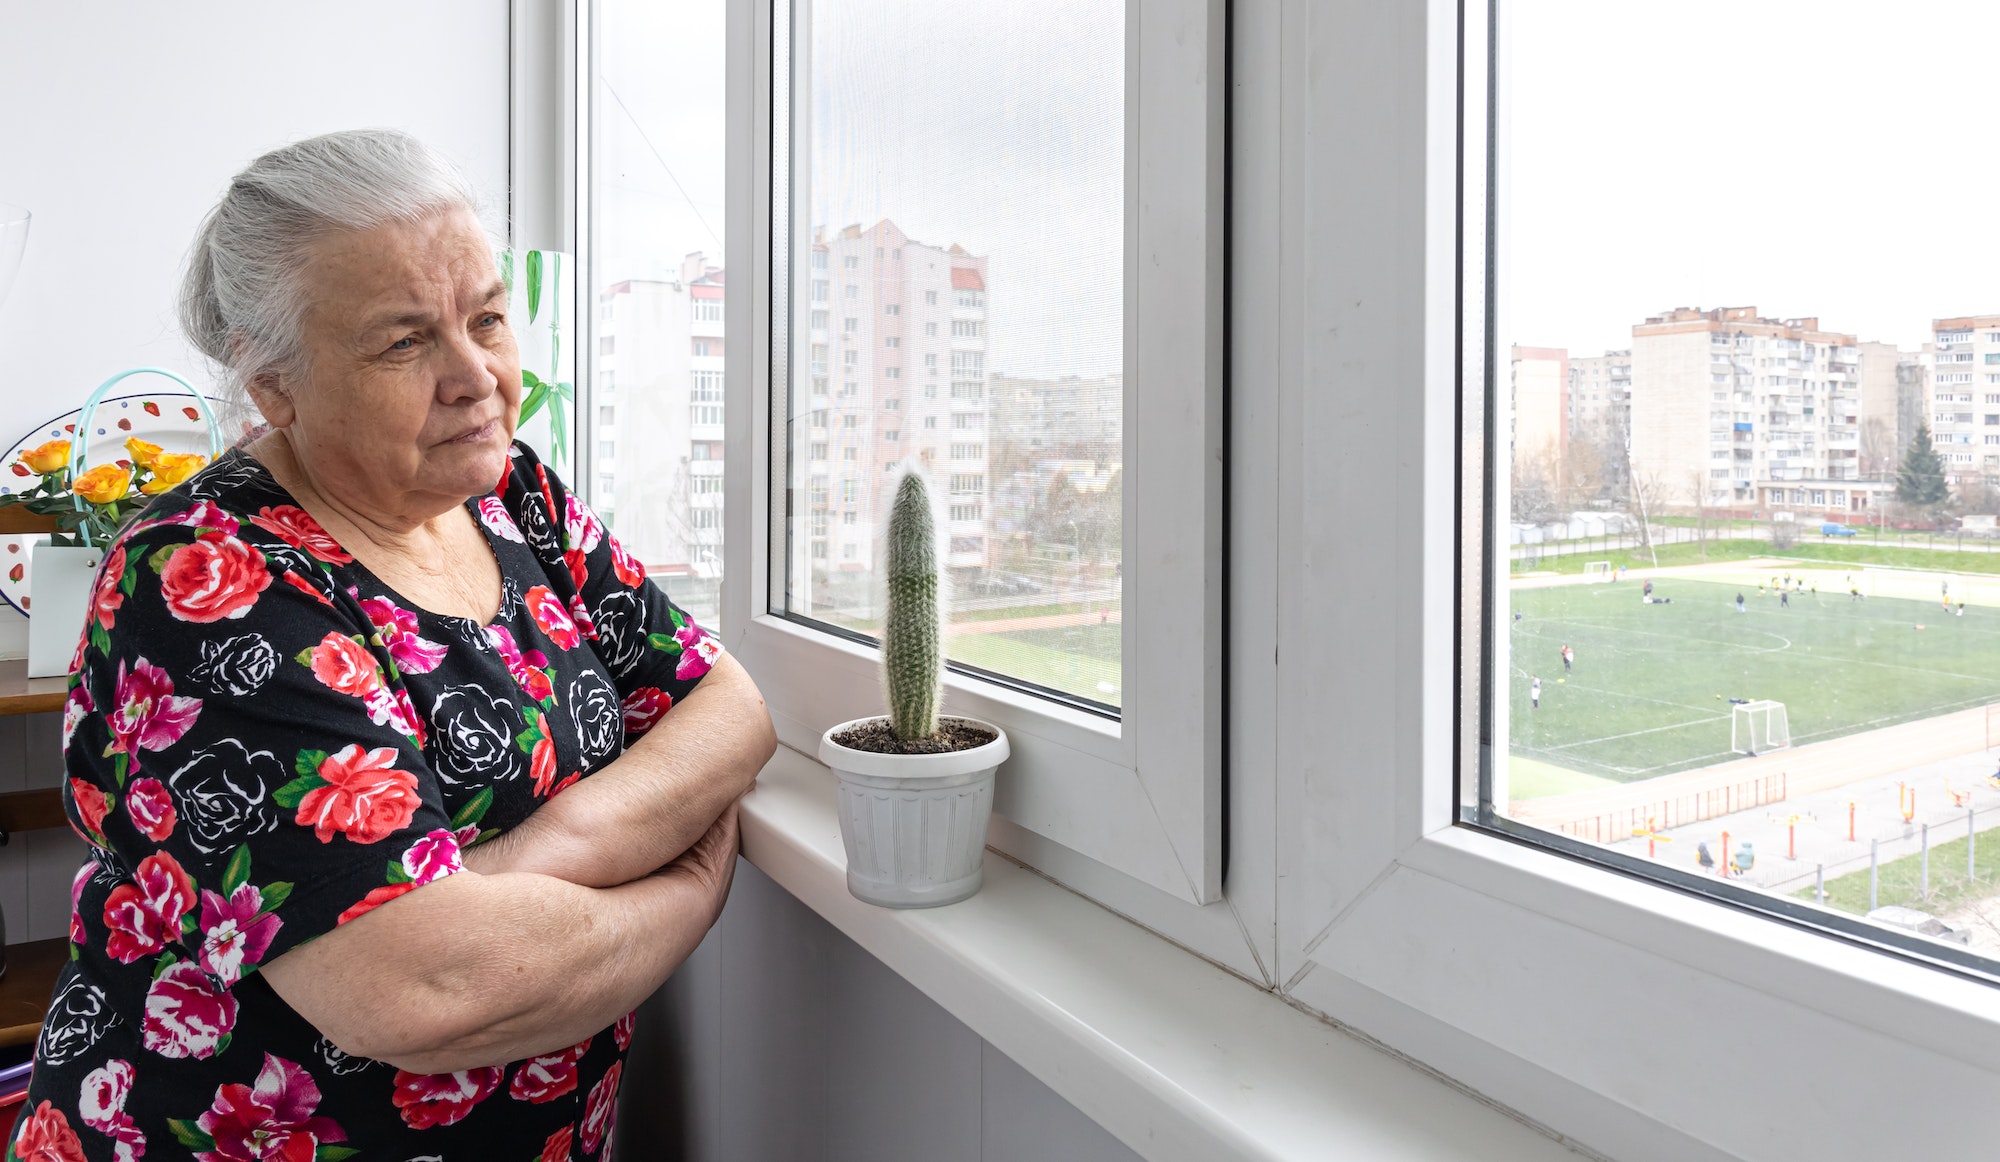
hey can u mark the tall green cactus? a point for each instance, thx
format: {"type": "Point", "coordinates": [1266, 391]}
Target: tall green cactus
{"type": "Point", "coordinates": [912, 649]}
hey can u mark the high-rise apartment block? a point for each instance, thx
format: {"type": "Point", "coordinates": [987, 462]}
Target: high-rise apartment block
{"type": "Point", "coordinates": [659, 417]}
{"type": "Point", "coordinates": [1600, 394]}
{"type": "Point", "coordinates": [897, 369]}
{"type": "Point", "coordinates": [1539, 426]}
{"type": "Point", "coordinates": [1964, 404]}
{"type": "Point", "coordinates": [1750, 412]}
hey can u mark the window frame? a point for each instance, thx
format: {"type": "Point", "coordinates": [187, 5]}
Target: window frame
{"type": "Point", "coordinates": [1610, 1008]}
{"type": "Point", "coordinates": [1139, 797]}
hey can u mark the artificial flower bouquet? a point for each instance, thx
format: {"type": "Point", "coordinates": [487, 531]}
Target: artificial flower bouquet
{"type": "Point", "coordinates": [110, 492]}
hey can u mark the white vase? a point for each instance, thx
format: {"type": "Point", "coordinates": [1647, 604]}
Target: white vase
{"type": "Point", "coordinates": [914, 825]}
{"type": "Point", "coordinates": [58, 599]}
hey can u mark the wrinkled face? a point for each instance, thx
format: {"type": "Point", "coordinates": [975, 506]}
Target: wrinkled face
{"type": "Point", "coordinates": [414, 382]}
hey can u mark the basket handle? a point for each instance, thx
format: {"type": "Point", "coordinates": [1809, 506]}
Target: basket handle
{"type": "Point", "coordinates": [83, 418]}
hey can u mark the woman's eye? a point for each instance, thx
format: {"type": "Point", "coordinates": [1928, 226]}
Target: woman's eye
{"type": "Point", "coordinates": [489, 321]}
{"type": "Point", "coordinates": [403, 344]}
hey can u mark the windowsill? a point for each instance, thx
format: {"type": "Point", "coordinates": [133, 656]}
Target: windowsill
{"type": "Point", "coordinates": [1175, 1057]}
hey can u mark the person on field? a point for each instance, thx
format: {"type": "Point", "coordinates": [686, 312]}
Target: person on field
{"type": "Point", "coordinates": [1569, 657]}
{"type": "Point", "coordinates": [1784, 599]}
{"type": "Point", "coordinates": [1739, 603]}
{"type": "Point", "coordinates": [1534, 692]}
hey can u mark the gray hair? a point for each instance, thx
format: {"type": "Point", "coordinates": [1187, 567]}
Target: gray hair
{"type": "Point", "coordinates": [244, 296]}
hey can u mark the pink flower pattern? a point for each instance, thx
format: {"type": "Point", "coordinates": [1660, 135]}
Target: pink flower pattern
{"type": "Point", "coordinates": [255, 772]}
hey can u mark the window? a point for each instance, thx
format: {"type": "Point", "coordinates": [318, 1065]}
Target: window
{"type": "Point", "coordinates": [851, 262]}
{"type": "Point", "coordinates": [961, 483]}
{"type": "Point", "coordinates": [608, 345]}
{"type": "Point", "coordinates": [930, 361]}
{"type": "Point", "coordinates": [892, 341]}
{"type": "Point", "coordinates": [850, 324]}
{"type": "Point", "coordinates": [972, 299]}
{"type": "Point", "coordinates": [819, 450]}
{"type": "Point", "coordinates": [971, 363]}
{"type": "Point", "coordinates": [852, 291]}
{"type": "Point", "coordinates": [819, 320]}
{"type": "Point", "coordinates": [703, 348]}
{"type": "Point", "coordinates": [964, 512]}
{"type": "Point", "coordinates": [892, 404]}
{"type": "Point", "coordinates": [892, 373]}
{"type": "Point", "coordinates": [707, 309]}
{"type": "Point", "coordinates": [930, 298]}
{"type": "Point", "coordinates": [892, 308]}
{"type": "Point", "coordinates": [966, 329]}
{"type": "Point", "coordinates": [967, 421]}
{"type": "Point", "coordinates": [850, 421]}
{"type": "Point", "coordinates": [819, 524]}
{"type": "Point", "coordinates": [607, 416]}
{"type": "Point", "coordinates": [850, 518]}
{"type": "Point", "coordinates": [968, 452]}
{"type": "Point", "coordinates": [930, 422]}
{"type": "Point", "coordinates": [707, 414]}
{"type": "Point", "coordinates": [819, 259]}
{"type": "Point", "coordinates": [892, 435]}
{"type": "Point", "coordinates": [930, 330]}
{"type": "Point", "coordinates": [850, 358]}
{"type": "Point", "coordinates": [819, 290]}
{"type": "Point", "coordinates": [968, 391]}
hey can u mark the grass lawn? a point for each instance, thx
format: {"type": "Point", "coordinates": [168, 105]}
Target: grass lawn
{"type": "Point", "coordinates": [1902, 879]}
{"type": "Point", "coordinates": [1808, 549]}
{"type": "Point", "coordinates": [1073, 660]}
{"type": "Point", "coordinates": [1649, 693]}
{"type": "Point", "coordinates": [1531, 779]}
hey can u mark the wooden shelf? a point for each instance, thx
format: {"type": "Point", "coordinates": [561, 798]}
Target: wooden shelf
{"type": "Point", "coordinates": [20, 694]}
{"type": "Point", "coordinates": [25, 990]}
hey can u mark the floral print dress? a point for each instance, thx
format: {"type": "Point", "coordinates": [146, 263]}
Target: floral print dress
{"type": "Point", "coordinates": [263, 742]}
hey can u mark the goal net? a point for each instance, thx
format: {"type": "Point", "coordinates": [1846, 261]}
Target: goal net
{"type": "Point", "coordinates": [1756, 727]}
{"type": "Point", "coordinates": [1597, 570]}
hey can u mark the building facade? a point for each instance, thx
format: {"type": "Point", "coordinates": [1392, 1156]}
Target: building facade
{"type": "Point", "coordinates": [1963, 360]}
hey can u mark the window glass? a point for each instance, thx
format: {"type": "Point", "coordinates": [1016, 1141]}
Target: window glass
{"type": "Point", "coordinates": [1743, 537]}
{"type": "Point", "coordinates": [978, 215]}
{"type": "Point", "coordinates": [656, 231]}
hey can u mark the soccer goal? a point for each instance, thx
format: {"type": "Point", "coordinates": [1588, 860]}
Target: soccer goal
{"type": "Point", "coordinates": [1597, 570]}
{"type": "Point", "coordinates": [1756, 727]}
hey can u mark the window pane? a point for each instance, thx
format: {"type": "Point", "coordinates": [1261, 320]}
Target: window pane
{"type": "Point", "coordinates": [1750, 568]}
{"type": "Point", "coordinates": [657, 272]}
{"type": "Point", "coordinates": [970, 221]}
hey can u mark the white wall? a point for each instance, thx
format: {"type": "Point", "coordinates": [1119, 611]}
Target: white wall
{"type": "Point", "coordinates": [780, 1038]}
{"type": "Point", "coordinates": [121, 122]}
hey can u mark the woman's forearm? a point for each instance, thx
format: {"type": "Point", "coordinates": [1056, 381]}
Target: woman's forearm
{"type": "Point", "coordinates": [655, 800]}
{"type": "Point", "coordinates": [477, 970]}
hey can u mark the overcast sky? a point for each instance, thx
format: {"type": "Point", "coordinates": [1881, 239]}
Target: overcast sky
{"type": "Point", "coordinates": [1809, 157]}
{"type": "Point", "coordinates": [995, 126]}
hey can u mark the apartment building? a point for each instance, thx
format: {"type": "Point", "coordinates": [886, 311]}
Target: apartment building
{"type": "Point", "coordinates": [1600, 393]}
{"type": "Point", "coordinates": [1963, 360]}
{"type": "Point", "coordinates": [1539, 416]}
{"type": "Point", "coordinates": [897, 369]}
{"type": "Point", "coordinates": [1766, 412]}
{"type": "Point", "coordinates": [658, 426]}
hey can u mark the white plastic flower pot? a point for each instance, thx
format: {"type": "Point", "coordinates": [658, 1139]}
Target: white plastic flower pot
{"type": "Point", "coordinates": [914, 825]}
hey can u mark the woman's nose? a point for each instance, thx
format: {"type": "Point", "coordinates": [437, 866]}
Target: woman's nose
{"type": "Point", "coordinates": [467, 371]}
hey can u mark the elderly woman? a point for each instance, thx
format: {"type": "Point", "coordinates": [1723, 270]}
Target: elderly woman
{"type": "Point", "coordinates": [403, 784]}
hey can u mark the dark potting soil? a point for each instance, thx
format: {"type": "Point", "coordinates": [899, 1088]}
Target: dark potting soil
{"type": "Point", "coordinates": [875, 737]}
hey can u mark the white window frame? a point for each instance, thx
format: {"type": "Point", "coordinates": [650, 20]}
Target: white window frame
{"type": "Point", "coordinates": [1131, 804]}
{"type": "Point", "coordinates": [1633, 1018]}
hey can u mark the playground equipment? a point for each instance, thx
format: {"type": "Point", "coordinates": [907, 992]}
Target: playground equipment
{"type": "Point", "coordinates": [1651, 834]}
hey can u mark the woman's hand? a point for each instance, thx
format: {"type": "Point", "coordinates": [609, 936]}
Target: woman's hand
{"type": "Point", "coordinates": [656, 800]}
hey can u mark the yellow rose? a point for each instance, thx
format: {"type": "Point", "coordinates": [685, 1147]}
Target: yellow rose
{"type": "Point", "coordinates": [141, 451]}
{"type": "Point", "coordinates": [48, 458]}
{"type": "Point", "coordinates": [169, 469]}
{"type": "Point", "coordinates": [104, 484]}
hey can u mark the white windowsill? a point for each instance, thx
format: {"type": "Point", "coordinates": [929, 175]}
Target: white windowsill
{"type": "Point", "coordinates": [1175, 1057]}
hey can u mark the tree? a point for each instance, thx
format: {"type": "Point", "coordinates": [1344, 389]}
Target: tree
{"type": "Point", "coordinates": [1698, 489]}
{"type": "Point", "coordinates": [1534, 486]}
{"type": "Point", "coordinates": [1921, 483]}
{"type": "Point", "coordinates": [1878, 447]}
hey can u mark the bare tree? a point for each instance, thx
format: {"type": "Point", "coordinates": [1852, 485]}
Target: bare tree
{"type": "Point", "coordinates": [1535, 482]}
{"type": "Point", "coordinates": [1698, 491]}
{"type": "Point", "coordinates": [1879, 453]}
{"type": "Point", "coordinates": [1649, 493]}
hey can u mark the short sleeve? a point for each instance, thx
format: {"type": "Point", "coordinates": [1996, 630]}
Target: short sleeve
{"type": "Point", "coordinates": [239, 745]}
{"type": "Point", "coordinates": [654, 651]}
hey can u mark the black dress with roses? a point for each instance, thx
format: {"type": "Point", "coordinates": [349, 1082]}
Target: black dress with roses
{"type": "Point", "coordinates": [264, 741]}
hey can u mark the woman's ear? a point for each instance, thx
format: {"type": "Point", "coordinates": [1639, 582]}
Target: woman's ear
{"type": "Point", "coordinates": [268, 392]}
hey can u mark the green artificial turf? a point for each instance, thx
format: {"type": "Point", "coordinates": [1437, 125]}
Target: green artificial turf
{"type": "Point", "coordinates": [1071, 659]}
{"type": "Point", "coordinates": [1648, 696]}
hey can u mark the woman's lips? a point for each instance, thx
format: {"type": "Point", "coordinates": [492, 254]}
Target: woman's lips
{"type": "Point", "coordinates": [478, 435]}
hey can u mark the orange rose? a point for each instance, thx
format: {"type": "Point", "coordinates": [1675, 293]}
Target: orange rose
{"type": "Point", "coordinates": [47, 459]}
{"type": "Point", "coordinates": [104, 484]}
{"type": "Point", "coordinates": [169, 469]}
{"type": "Point", "coordinates": [141, 451]}
{"type": "Point", "coordinates": [364, 797]}
{"type": "Point", "coordinates": [211, 580]}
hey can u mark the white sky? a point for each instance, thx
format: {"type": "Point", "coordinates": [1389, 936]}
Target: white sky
{"type": "Point", "coordinates": [942, 122]}
{"type": "Point", "coordinates": [1808, 157]}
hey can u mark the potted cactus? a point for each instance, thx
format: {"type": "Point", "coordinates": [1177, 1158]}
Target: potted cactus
{"type": "Point", "coordinates": [916, 788]}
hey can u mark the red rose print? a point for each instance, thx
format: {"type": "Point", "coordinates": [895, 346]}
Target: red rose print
{"type": "Point", "coordinates": [297, 528]}
{"type": "Point", "coordinates": [599, 1108]}
{"type": "Point", "coordinates": [372, 901]}
{"type": "Point", "coordinates": [306, 587]}
{"type": "Point", "coordinates": [145, 913]}
{"type": "Point", "coordinates": [527, 666]}
{"type": "Point", "coordinates": [623, 563]}
{"type": "Point", "coordinates": [210, 580]}
{"type": "Point", "coordinates": [542, 765]}
{"type": "Point", "coordinates": [146, 714]}
{"type": "Point", "coordinates": [433, 857]}
{"type": "Point", "coordinates": [91, 807]}
{"type": "Point", "coordinates": [271, 1121]}
{"type": "Point", "coordinates": [46, 1137]}
{"type": "Point", "coordinates": [493, 514]}
{"type": "Point", "coordinates": [151, 809]}
{"type": "Point", "coordinates": [566, 784]}
{"type": "Point", "coordinates": [581, 616]}
{"type": "Point", "coordinates": [622, 1031]}
{"type": "Point", "coordinates": [413, 653]}
{"type": "Point", "coordinates": [187, 1013]}
{"type": "Point", "coordinates": [698, 652]}
{"type": "Point", "coordinates": [77, 935]}
{"type": "Point", "coordinates": [552, 617]}
{"type": "Point", "coordinates": [556, 1149]}
{"type": "Point", "coordinates": [548, 1077]}
{"type": "Point", "coordinates": [582, 531]}
{"type": "Point", "coordinates": [442, 1099]}
{"type": "Point", "coordinates": [76, 709]}
{"type": "Point", "coordinates": [101, 1101]}
{"type": "Point", "coordinates": [644, 707]}
{"type": "Point", "coordinates": [107, 597]}
{"type": "Point", "coordinates": [365, 797]}
{"type": "Point", "coordinates": [579, 566]}
{"type": "Point", "coordinates": [346, 665]}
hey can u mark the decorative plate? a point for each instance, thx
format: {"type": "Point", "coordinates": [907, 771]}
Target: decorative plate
{"type": "Point", "coordinates": [168, 419]}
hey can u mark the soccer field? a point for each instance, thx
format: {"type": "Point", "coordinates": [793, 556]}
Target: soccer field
{"type": "Point", "coordinates": [1650, 692]}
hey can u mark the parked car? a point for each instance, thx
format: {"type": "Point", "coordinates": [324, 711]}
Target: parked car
{"type": "Point", "coordinates": [1922, 923]}
{"type": "Point", "coordinates": [1835, 529]}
